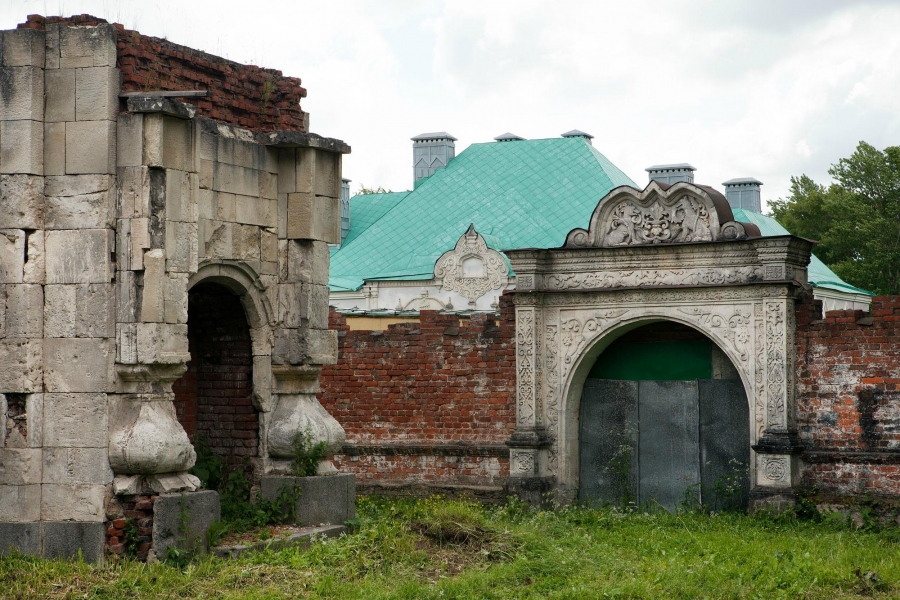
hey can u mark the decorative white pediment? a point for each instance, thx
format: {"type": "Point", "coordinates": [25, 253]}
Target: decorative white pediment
{"type": "Point", "coordinates": [424, 301]}
{"type": "Point", "coordinates": [471, 269]}
{"type": "Point", "coordinates": [680, 214]}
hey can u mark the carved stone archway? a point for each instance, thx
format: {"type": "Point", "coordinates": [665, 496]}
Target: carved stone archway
{"type": "Point", "coordinates": [639, 263]}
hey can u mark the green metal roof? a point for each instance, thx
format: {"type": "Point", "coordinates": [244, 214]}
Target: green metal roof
{"type": "Point", "coordinates": [522, 194]}
{"type": "Point", "coordinates": [818, 273]}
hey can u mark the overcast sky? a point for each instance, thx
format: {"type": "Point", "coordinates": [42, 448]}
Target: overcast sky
{"type": "Point", "coordinates": [758, 88]}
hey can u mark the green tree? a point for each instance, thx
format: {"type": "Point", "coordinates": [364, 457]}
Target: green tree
{"type": "Point", "coordinates": [856, 220]}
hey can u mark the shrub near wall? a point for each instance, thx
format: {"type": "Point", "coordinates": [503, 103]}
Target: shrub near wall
{"type": "Point", "coordinates": [426, 403]}
{"type": "Point", "coordinates": [849, 398]}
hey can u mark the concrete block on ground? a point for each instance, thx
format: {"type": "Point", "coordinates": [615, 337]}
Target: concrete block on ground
{"type": "Point", "coordinates": [23, 94]}
{"type": "Point", "coordinates": [71, 540]}
{"type": "Point", "coordinates": [75, 420]}
{"type": "Point", "coordinates": [22, 147]}
{"type": "Point", "coordinates": [20, 503]}
{"type": "Point", "coordinates": [78, 256]}
{"type": "Point", "coordinates": [22, 201]}
{"type": "Point", "coordinates": [90, 147]}
{"type": "Point", "coordinates": [23, 47]}
{"type": "Point", "coordinates": [24, 538]}
{"type": "Point", "coordinates": [323, 500]}
{"type": "Point", "coordinates": [60, 90]}
{"type": "Point", "coordinates": [78, 364]}
{"type": "Point", "coordinates": [181, 521]}
{"type": "Point", "coordinates": [97, 94]}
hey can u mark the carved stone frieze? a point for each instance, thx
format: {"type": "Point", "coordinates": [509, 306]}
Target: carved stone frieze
{"type": "Point", "coordinates": [654, 278]}
{"type": "Point", "coordinates": [732, 323]}
{"type": "Point", "coordinates": [683, 213]}
{"type": "Point", "coordinates": [618, 298]}
{"type": "Point", "coordinates": [776, 366]}
{"type": "Point", "coordinates": [525, 367]}
{"type": "Point", "coordinates": [577, 331]}
{"type": "Point", "coordinates": [471, 269]}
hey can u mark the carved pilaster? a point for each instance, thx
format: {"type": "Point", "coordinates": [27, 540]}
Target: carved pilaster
{"type": "Point", "coordinates": [527, 375]}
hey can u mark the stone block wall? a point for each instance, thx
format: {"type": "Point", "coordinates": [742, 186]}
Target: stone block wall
{"type": "Point", "coordinates": [243, 95]}
{"type": "Point", "coordinates": [849, 398]}
{"type": "Point", "coordinates": [111, 210]}
{"type": "Point", "coordinates": [425, 403]}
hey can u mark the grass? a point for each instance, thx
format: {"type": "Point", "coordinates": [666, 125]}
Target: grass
{"type": "Point", "coordinates": [451, 549]}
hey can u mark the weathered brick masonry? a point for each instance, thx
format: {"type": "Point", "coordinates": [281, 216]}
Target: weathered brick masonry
{"type": "Point", "coordinates": [243, 95]}
{"type": "Point", "coordinates": [849, 398]}
{"type": "Point", "coordinates": [425, 403]}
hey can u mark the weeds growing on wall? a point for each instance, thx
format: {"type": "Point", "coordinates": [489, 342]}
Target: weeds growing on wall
{"type": "Point", "coordinates": [306, 454]}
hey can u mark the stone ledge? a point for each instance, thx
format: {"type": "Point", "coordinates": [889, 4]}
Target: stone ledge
{"type": "Point", "coordinates": [459, 449]}
{"type": "Point", "coordinates": [302, 538]}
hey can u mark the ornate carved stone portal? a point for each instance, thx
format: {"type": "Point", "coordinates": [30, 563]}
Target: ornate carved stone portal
{"type": "Point", "coordinates": [661, 254]}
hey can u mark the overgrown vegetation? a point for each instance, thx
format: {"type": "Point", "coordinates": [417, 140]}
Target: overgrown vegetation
{"type": "Point", "coordinates": [455, 549]}
{"type": "Point", "coordinates": [306, 454]}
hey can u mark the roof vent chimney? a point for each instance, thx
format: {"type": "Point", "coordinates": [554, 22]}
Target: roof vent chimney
{"type": "Point", "coordinates": [672, 173]}
{"type": "Point", "coordinates": [743, 193]}
{"type": "Point", "coordinates": [508, 137]}
{"type": "Point", "coordinates": [431, 151]}
{"type": "Point", "coordinates": [345, 208]}
{"type": "Point", "coordinates": [578, 133]}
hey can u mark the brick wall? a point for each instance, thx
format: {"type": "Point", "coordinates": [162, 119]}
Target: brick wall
{"type": "Point", "coordinates": [849, 397]}
{"type": "Point", "coordinates": [243, 95]}
{"type": "Point", "coordinates": [431, 402]}
{"type": "Point", "coordinates": [213, 400]}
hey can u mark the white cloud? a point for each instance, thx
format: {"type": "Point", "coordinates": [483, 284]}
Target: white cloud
{"type": "Point", "coordinates": [761, 88]}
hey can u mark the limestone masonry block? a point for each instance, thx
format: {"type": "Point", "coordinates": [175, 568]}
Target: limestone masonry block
{"type": "Point", "coordinates": [73, 502]}
{"type": "Point", "coordinates": [226, 207]}
{"type": "Point", "coordinates": [20, 503]}
{"type": "Point", "coordinates": [54, 148]}
{"type": "Point", "coordinates": [78, 256]}
{"type": "Point", "coordinates": [20, 466]}
{"type": "Point", "coordinates": [181, 200]}
{"type": "Point", "coordinates": [240, 153]}
{"type": "Point", "coordinates": [35, 268]}
{"type": "Point", "coordinates": [134, 192]}
{"type": "Point", "coordinates": [322, 347]}
{"type": "Point", "coordinates": [235, 179]}
{"type": "Point", "coordinates": [209, 144]}
{"type": "Point", "coordinates": [80, 202]}
{"type": "Point", "coordinates": [287, 170]}
{"type": "Point", "coordinates": [97, 94]}
{"type": "Point", "coordinates": [126, 348]}
{"type": "Point", "coordinates": [23, 48]}
{"type": "Point", "coordinates": [76, 465]}
{"type": "Point", "coordinates": [304, 261]}
{"type": "Point", "coordinates": [32, 436]}
{"type": "Point", "coordinates": [78, 365]}
{"type": "Point", "coordinates": [152, 147]}
{"type": "Point", "coordinates": [256, 211]}
{"type": "Point", "coordinates": [22, 147]}
{"type": "Point", "coordinates": [181, 247]}
{"type": "Point", "coordinates": [23, 316]}
{"type": "Point", "coordinates": [154, 291]}
{"type": "Point", "coordinates": [60, 95]}
{"type": "Point", "coordinates": [289, 304]}
{"type": "Point", "coordinates": [216, 239]}
{"type": "Point", "coordinates": [162, 343]}
{"type": "Point", "coordinates": [178, 145]}
{"type": "Point", "coordinates": [20, 366]}
{"type": "Point", "coordinates": [314, 305]}
{"type": "Point", "coordinates": [129, 140]}
{"type": "Point", "coordinates": [126, 297]}
{"type": "Point", "coordinates": [22, 96]}
{"type": "Point", "coordinates": [12, 255]}
{"type": "Point", "coordinates": [87, 46]}
{"type": "Point", "coordinates": [246, 242]}
{"type": "Point", "coordinates": [313, 218]}
{"type": "Point", "coordinates": [22, 201]}
{"type": "Point", "coordinates": [75, 420]}
{"type": "Point", "coordinates": [176, 302]}
{"type": "Point", "coordinates": [90, 147]}
{"type": "Point", "coordinates": [51, 46]}
{"type": "Point", "coordinates": [85, 310]}
{"type": "Point", "coordinates": [268, 185]}
{"type": "Point", "coordinates": [207, 206]}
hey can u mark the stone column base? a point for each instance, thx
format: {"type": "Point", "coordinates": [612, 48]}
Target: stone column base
{"type": "Point", "coordinates": [180, 521]}
{"type": "Point", "coordinates": [536, 491]}
{"type": "Point", "coordinates": [773, 500]}
{"type": "Point", "coordinates": [329, 500]}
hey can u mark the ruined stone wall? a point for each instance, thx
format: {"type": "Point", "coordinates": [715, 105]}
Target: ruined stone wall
{"type": "Point", "coordinates": [243, 95]}
{"type": "Point", "coordinates": [111, 210]}
{"type": "Point", "coordinates": [430, 402]}
{"type": "Point", "coordinates": [849, 398]}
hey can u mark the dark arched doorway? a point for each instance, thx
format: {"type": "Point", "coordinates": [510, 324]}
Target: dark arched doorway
{"type": "Point", "coordinates": [664, 421]}
{"type": "Point", "coordinates": [214, 398]}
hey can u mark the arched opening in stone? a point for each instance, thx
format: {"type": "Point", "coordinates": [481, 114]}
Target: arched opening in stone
{"type": "Point", "coordinates": [214, 398]}
{"type": "Point", "coordinates": [664, 421]}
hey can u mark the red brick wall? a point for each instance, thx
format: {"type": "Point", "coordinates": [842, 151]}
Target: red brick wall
{"type": "Point", "coordinates": [213, 400]}
{"type": "Point", "coordinates": [432, 401]}
{"type": "Point", "coordinates": [243, 95]}
{"type": "Point", "coordinates": [848, 378]}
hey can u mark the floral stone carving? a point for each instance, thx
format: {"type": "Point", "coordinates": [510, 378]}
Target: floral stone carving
{"type": "Point", "coordinates": [471, 269]}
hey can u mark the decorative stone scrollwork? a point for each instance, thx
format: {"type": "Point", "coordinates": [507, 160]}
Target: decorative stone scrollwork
{"type": "Point", "coordinates": [654, 278]}
{"type": "Point", "coordinates": [525, 366]}
{"type": "Point", "coordinates": [522, 463]}
{"type": "Point", "coordinates": [735, 327]}
{"type": "Point", "coordinates": [776, 367]}
{"type": "Point", "coordinates": [776, 469]}
{"type": "Point", "coordinates": [577, 332]}
{"type": "Point", "coordinates": [683, 213]}
{"type": "Point", "coordinates": [471, 269]}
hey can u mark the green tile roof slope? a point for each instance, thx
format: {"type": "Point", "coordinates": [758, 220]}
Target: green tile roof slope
{"type": "Point", "coordinates": [523, 194]}
{"type": "Point", "coordinates": [819, 274]}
